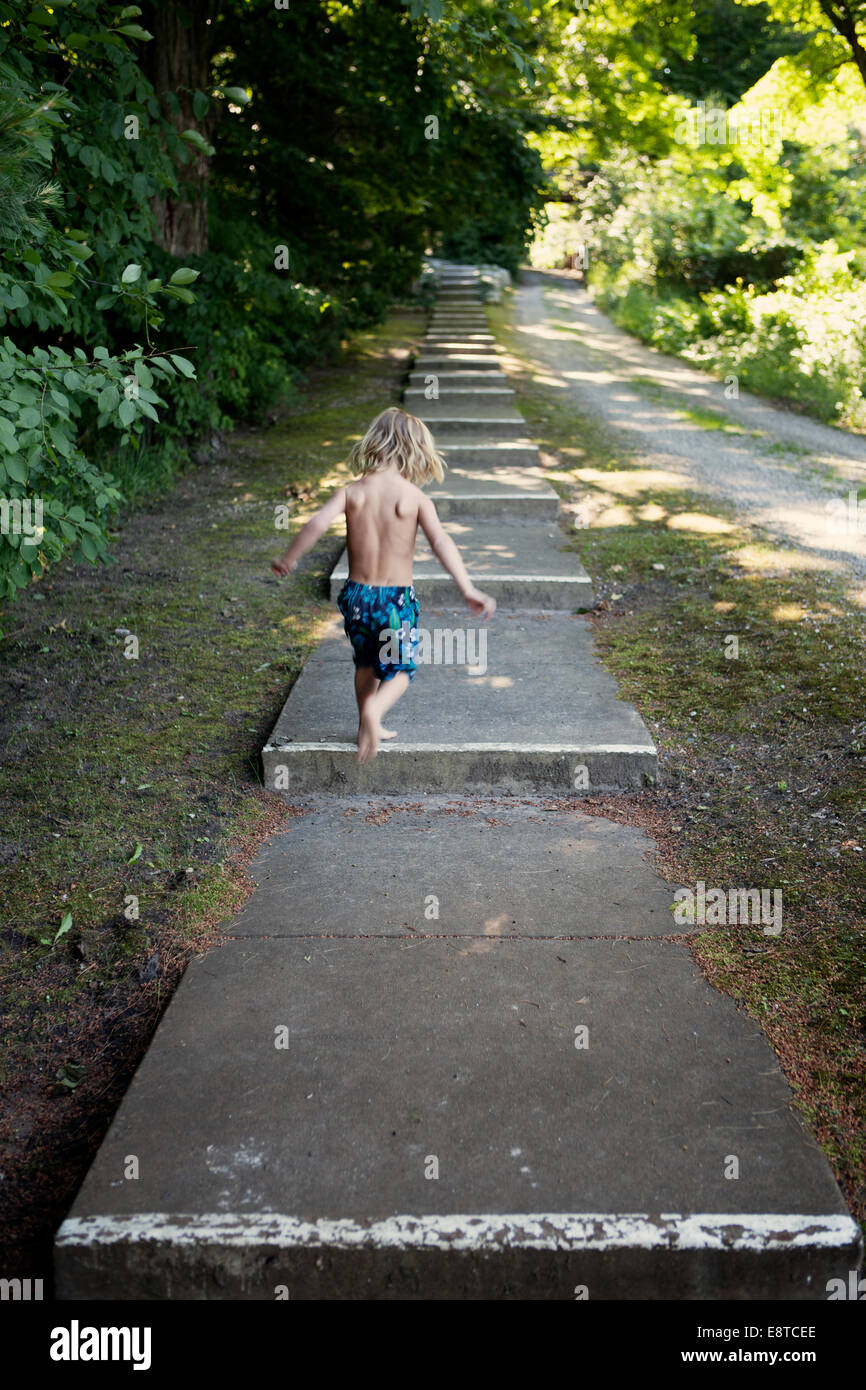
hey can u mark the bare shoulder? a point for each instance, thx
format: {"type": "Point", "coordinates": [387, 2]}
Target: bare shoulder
{"type": "Point", "coordinates": [410, 497]}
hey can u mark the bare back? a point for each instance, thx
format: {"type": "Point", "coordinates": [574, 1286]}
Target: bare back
{"type": "Point", "coordinates": [381, 524]}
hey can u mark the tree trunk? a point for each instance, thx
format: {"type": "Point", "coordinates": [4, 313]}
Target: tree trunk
{"type": "Point", "coordinates": [183, 43]}
{"type": "Point", "coordinates": [844, 17]}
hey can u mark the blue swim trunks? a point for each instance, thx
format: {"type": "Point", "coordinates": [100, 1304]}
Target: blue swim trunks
{"type": "Point", "coordinates": [381, 623]}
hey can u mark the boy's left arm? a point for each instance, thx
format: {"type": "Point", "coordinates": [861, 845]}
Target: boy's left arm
{"type": "Point", "coordinates": [310, 533]}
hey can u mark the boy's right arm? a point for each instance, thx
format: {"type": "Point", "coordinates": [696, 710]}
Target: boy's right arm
{"type": "Point", "coordinates": [309, 534]}
{"type": "Point", "coordinates": [446, 552]}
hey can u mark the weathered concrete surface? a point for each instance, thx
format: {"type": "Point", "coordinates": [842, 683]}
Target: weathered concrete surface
{"type": "Point", "coordinates": [523, 564]}
{"type": "Point", "coordinates": [489, 454]}
{"type": "Point", "coordinates": [419, 399]}
{"type": "Point", "coordinates": [506, 492]}
{"type": "Point", "coordinates": [542, 709]}
{"type": "Point", "coordinates": [468, 378]}
{"type": "Point", "coordinates": [432, 963]}
{"type": "Point", "coordinates": [344, 859]}
{"type": "Point", "coordinates": [460, 1052]}
{"type": "Point", "coordinates": [476, 361]}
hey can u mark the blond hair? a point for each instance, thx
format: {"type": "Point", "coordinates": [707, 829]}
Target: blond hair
{"type": "Point", "coordinates": [396, 437]}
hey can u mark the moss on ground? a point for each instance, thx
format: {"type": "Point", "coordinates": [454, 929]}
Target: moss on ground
{"type": "Point", "coordinates": [131, 784]}
{"type": "Point", "coordinates": [762, 753]}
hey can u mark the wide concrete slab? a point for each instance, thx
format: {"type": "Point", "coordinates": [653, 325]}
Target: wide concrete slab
{"type": "Point", "coordinates": [513, 493]}
{"type": "Point", "coordinates": [475, 395]}
{"type": "Point", "coordinates": [524, 706]}
{"type": "Point", "coordinates": [487, 456]}
{"type": "Point", "coordinates": [498, 868]}
{"type": "Point", "coordinates": [439, 342]}
{"type": "Point", "coordinates": [523, 564]}
{"type": "Point", "coordinates": [457, 362]}
{"type": "Point", "coordinates": [483, 428]}
{"type": "Point", "coordinates": [554, 1164]}
{"type": "Point", "coordinates": [488, 377]}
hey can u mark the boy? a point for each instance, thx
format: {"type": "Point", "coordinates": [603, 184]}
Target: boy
{"type": "Point", "coordinates": [383, 512]}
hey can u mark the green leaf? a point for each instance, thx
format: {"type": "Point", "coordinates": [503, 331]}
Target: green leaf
{"type": "Point", "coordinates": [58, 280]}
{"type": "Point", "coordinates": [70, 1074]}
{"type": "Point", "coordinates": [65, 926]}
{"type": "Point", "coordinates": [8, 440]}
{"type": "Point", "coordinates": [136, 854]}
{"type": "Point", "coordinates": [134, 31]}
{"type": "Point", "coordinates": [177, 292]}
{"type": "Point", "coordinates": [185, 276]}
{"type": "Point", "coordinates": [200, 104]}
{"type": "Point", "coordinates": [237, 95]}
{"type": "Point", "coordinates": [131, 274]}
{"type": "Point", "coordinates": [195, 138]}
{"type": "Point", "coordinates": [182, 364]}
{"type": "Point", "coordinates": [127, 412]}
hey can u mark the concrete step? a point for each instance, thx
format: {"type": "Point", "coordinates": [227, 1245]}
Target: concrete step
{"type": "Point", "coordinates": [471, 358]}
{"type": "Point", "coordinates": [486, 427]}
{"type": "Point", "coordinates": [495, 411]}
{"type": "Point", "coordinates": [486, 377]}
{"type": "Point", "coordinates": [596, 872]}
{"type": "Point", "coordinates": [470, 454]}
{"type": "Point", "coordinates": [457, 342]}
{"type": "Point", "coordinates": [308, 1167]}
{"type": "Point", "coordinates": [514, 493]}
{"type": "Point", "coordinates": [478, 396]}
{"type": "Point", "coordinates": [453, 327]}
{"type": "Point", "coordinates": [523, 564]}
{"type": "Point", "coordinates": [517, 705]}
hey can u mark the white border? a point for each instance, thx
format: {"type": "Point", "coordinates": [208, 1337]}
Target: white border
{"type": "Point", "coordinates": [537, 1231]}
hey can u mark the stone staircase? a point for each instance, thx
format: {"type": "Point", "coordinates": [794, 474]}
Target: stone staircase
{"type": "Point", "coordinates": [454, 1046]}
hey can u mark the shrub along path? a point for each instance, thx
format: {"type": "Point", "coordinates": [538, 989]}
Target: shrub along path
{"type": "Point", "coordinates": [452, 1047]}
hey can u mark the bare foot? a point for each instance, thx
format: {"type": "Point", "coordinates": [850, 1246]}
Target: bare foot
{"type": "Point", "coordinates": [388, 733]}
{"type": "Point", "coordinates": [369, 733]}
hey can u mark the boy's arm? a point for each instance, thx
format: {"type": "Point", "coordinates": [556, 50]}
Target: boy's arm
{"type": "Point", "coordinates": [309, 534]}
{"type": "Point", "coordinates": [448, 555]}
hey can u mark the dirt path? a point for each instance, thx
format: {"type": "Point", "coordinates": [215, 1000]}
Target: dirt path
{"type": "Point", "coordinates": [782, 471]}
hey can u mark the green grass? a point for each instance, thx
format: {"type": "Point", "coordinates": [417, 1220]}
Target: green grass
{"type": "Point", "coordinates": [762, 757]}
{"type": "Point", "coordinates": [139, 778]}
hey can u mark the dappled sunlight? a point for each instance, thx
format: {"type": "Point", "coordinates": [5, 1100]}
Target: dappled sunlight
{"type": "Point", "coordinates": [628, 482]}
{"type": "Point", "coordinates": [494, 682]}
{"type": "Point", "coordinates": [616, 515]}
{"type": "Point", "coordinates": [788, 613]}
{"type": "Point", "coordinates": [651, 512]}
{"type": "Point", "coordinates": [762, 562]}
{"type": "Point", "coordinates": [495, 926]}
{"type": "Point", "coordinates": [541, 379]}
{"type": "Point", "coordinates": [701, 522]}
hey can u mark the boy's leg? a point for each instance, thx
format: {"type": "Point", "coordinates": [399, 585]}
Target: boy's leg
{"type": "Point", "coordinates": [375, 706]}
{"type": "Point", "coordinates": [367, 683]}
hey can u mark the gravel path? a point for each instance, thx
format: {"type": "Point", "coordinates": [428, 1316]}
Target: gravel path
{"type": "Point", "coordinates": [785, 479]}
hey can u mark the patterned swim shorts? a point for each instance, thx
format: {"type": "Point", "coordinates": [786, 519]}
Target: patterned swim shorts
{"type": "Point", "coordinates": [381, 623]}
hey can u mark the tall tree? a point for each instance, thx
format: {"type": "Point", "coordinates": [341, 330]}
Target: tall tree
{"type": "Point", "coordinates": [179, 62]}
